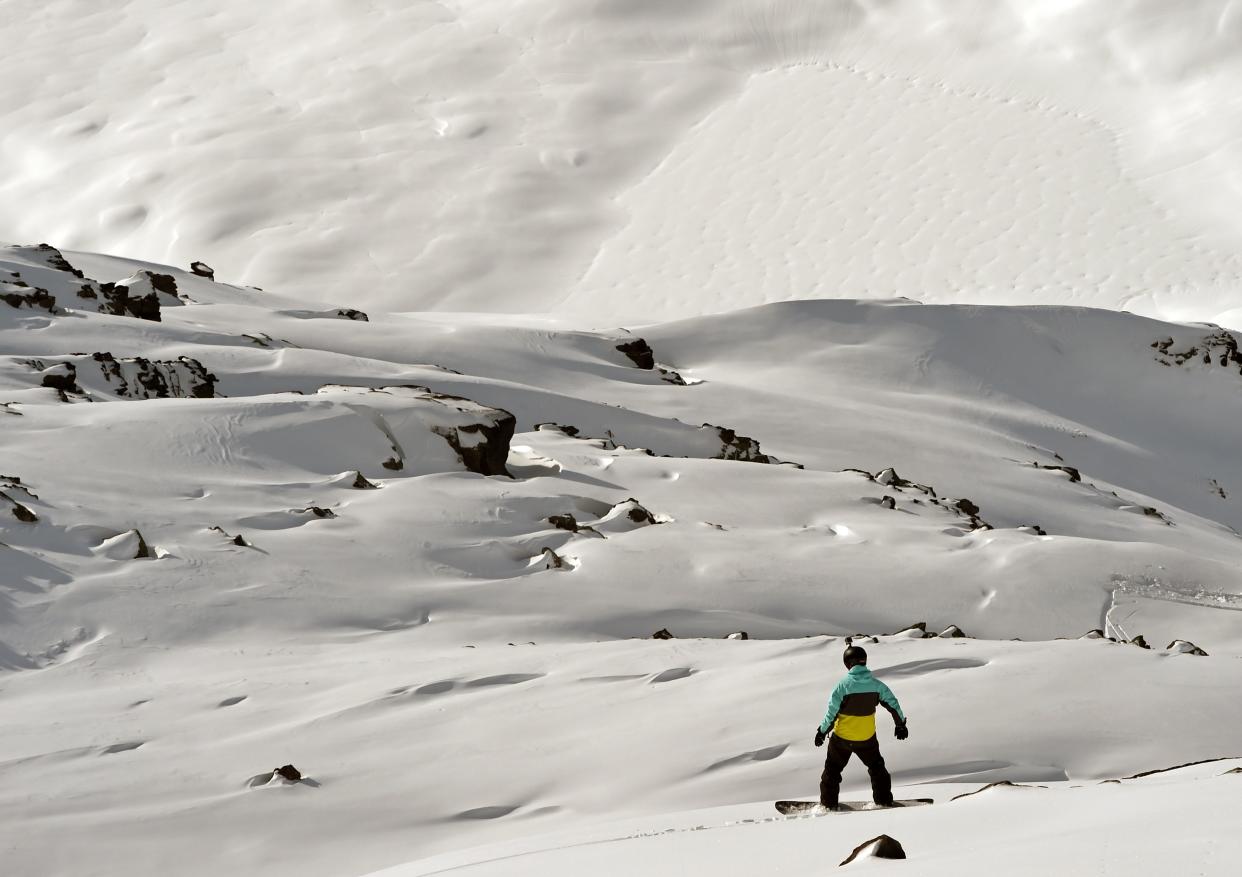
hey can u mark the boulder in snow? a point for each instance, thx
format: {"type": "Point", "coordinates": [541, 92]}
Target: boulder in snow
{"type": "Point", "coordinates": [882, 847]}
{"type": "Point", "coordinates": [202, 269]}
{"type": "Point", "coordinates": [662, 633]}
{"type": "Point", "coordinates": [1185, 647]}
{"type": "Point", "coordinates": [639, 353]}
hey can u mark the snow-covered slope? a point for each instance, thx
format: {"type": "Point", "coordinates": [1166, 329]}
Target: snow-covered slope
{"type": "Point", "coordinates": [623, 160]}
{"type": "Point", "coordinates": [613, 363]}
{"type": "Point", "coordinates": [420, 557]}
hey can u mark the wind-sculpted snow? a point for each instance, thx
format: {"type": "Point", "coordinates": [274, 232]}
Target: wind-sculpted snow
{"type": "Point", "coordinates": [640, 160]}
{"type": "Point", "coordinates": [380, 542]}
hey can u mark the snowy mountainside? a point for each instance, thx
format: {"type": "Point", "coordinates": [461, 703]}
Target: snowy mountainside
{"type": "Point", "coordinates": [420, 557]}
{"type": "Point", "coordinates": [623, 160]}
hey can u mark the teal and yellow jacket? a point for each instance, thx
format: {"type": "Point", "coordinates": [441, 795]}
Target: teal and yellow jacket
{"type": "Point", "coordinates": [851, 709]}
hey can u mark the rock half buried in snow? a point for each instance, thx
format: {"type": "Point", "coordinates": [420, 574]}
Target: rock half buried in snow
{"type": "Point", "coordinates": [639, 353]}
{"type": "Point", "coordinates": [662, 633]}
{"type": "Point", "coordinates": [1185, 647]}
{"type": "Point", "coordinates": [139, 378]}
{"type": "Point", "coordinates": [202, 269]}
{"type": "Point", "coordinates": [411, 418]}
{"type": "Point", "coordinates": [882, 847]}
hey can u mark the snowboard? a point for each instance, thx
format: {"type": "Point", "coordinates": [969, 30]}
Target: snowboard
{"type": "Point", "coordinates": [791, 807]}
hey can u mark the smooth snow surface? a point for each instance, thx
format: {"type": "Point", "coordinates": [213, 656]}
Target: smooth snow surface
{"type": "Point", "coordinates": [923, 308]}
{"type": "Point", "coordinates": [626, 160]}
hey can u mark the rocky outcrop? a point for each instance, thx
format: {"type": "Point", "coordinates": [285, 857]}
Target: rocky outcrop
{"type": "Point", "coordinates": [889, 478]}
{"type": "Point", "coordinates": [882, 847]}
{"type": "Point", "coordinates": [361, 483]}
{"type": "Point", "coordinates": [17, 294]}
{"type": "Point", "coordinates": [997, 785]}
{"type": "Point", "coordinates": [61, 377]}
{"type": "Point", "coordinates": [202, 269]}
{"type": "Point", "coordinates": [1074, 475]}
{"type": "Point", "coordinates": [1185, 647]}
{"type": "Point", "coordinates": [951, 632]}
{"type": "Point", "coordinates": [639, 353]}
{"type": "Point", "coordinates": [738, 635]}
{"type": "Point", "coordinates": [10, 485]}
{"type": "Point", "coordinates": [1220, 349]}
{"type": "Point", "coordinates": [552, 560]}
{"type": "Point", "coordinates": [139, 378]}
{"type": "Point", "coordinates": [662, 633]}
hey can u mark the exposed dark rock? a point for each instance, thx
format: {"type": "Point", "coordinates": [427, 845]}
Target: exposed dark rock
{"type": "Point", "coordinates": [741, 634]}
{"type": "Point", "coordinates": [737, 447]}
{"type": "Point", "coordinates": [35, 298]}
{"type": "Point", "coordinates": [1008, 783]}
{"type": "Point", "coordinates": [139, 378]}
{"type": "Point", "coordinates": [62, 377]}
{"type": "Point", "coordinates": [1074, 475]}
{"type": "Point", "coordinates": [571, 431]}
{"type": "Point", "coordinates": [882, 847]}
{"type": "Point", "coordinates": [888, 502]}
{"type": "Point", "coordinates": [53, 258]}
{"type": "Point", "coordinates": [202, 269]}
{"type": "Point", "coordinates": [394, 464]}
{"type": "Point", "coordinates": [662, 633]}
{"type": "Point", "coordinates": [1185, 647]}
{"type": "Point", "coordinates": [639, 352]}
{"type": "Point", "coordinates": [952, 631]}
{"type": "Point", "coordinates": [1035, 529]}
{"type": "Point", "coordinates": [1220, 348]}
{"type": "Point", "coordinates": [352, 314]}
{"type": "Point", "coordinates": [966, 507]}
{"type": "Point", "coordinates": [920, 626]}
{"type": "Point", "coordinates": [482, 447]}
{"type": "Point", "coordinates": [318, 512]}
{"type": "Point", "coordinates": [552, 560]}
{"type": "Point", "coordinates": [1148, 773]}
{"type": "Point", "coordinates": [669, 376]}
{"type": "Point", "coordinates": [240, 541]}
{"type": "Point", "coordinates": [1140, 642]}
{"type": "Point", "coordinates": [566, 522]}
{"type": "Point", "coordinates": [361, 483]}
{"type": "Point", "coordinates": [288, 772]}
{"type": "Point", "coordinates": [21, 512]}
{"type": "Point", "coordinates": [144, 550]}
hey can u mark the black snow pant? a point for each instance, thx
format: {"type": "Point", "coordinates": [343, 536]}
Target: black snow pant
{"type": "Point", "coordinates": [839, 752]}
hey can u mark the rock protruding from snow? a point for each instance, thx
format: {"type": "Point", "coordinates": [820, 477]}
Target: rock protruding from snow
{"type": "Point", "coordinates": [639, 353]}
{"type": "Point", "coordinates": [61, 377]}
{"type": "Point", "coordinates": [734, 446]}
{"type": "Point", "coordinates": [479, 436]}
{"type": "Point", "coordinates": [1185, 647]}
{"type": "Point", "coordinates": [626, 516]}
{"type": "Point", "coordinates": [951, 632]}
{"type": "Point", "coordinates": [202, 269]}
{"type": "Point", "coordinates": [18, 294]}
{"type": "Point", "coordinates": [1219, 348]}
{"type": "Point", "coordinates": [918, 630]}
{"type": "Point", "coordinates": [9, 485]}
{"type": "Point", "coordinates": [739, 635]}
{"type": "Point", "coordinates": [662, 633]}
{"type": "Point", "coordinates": [882, 847]}
{"type": "Point", "coordinates": [139, 378]}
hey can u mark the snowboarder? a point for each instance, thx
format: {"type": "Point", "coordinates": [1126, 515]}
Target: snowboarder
{"type": "Point", "coordinates": [851, 722]}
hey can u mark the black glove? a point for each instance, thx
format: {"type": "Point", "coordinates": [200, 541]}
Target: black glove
{"type": "Point", "coordinates": [902, 731]}
{"type": "Point", "coordinates": [819, 737]}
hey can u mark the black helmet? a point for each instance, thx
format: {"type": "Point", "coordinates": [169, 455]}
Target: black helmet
{"type": "Point", "coordinates": [854, 655]}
